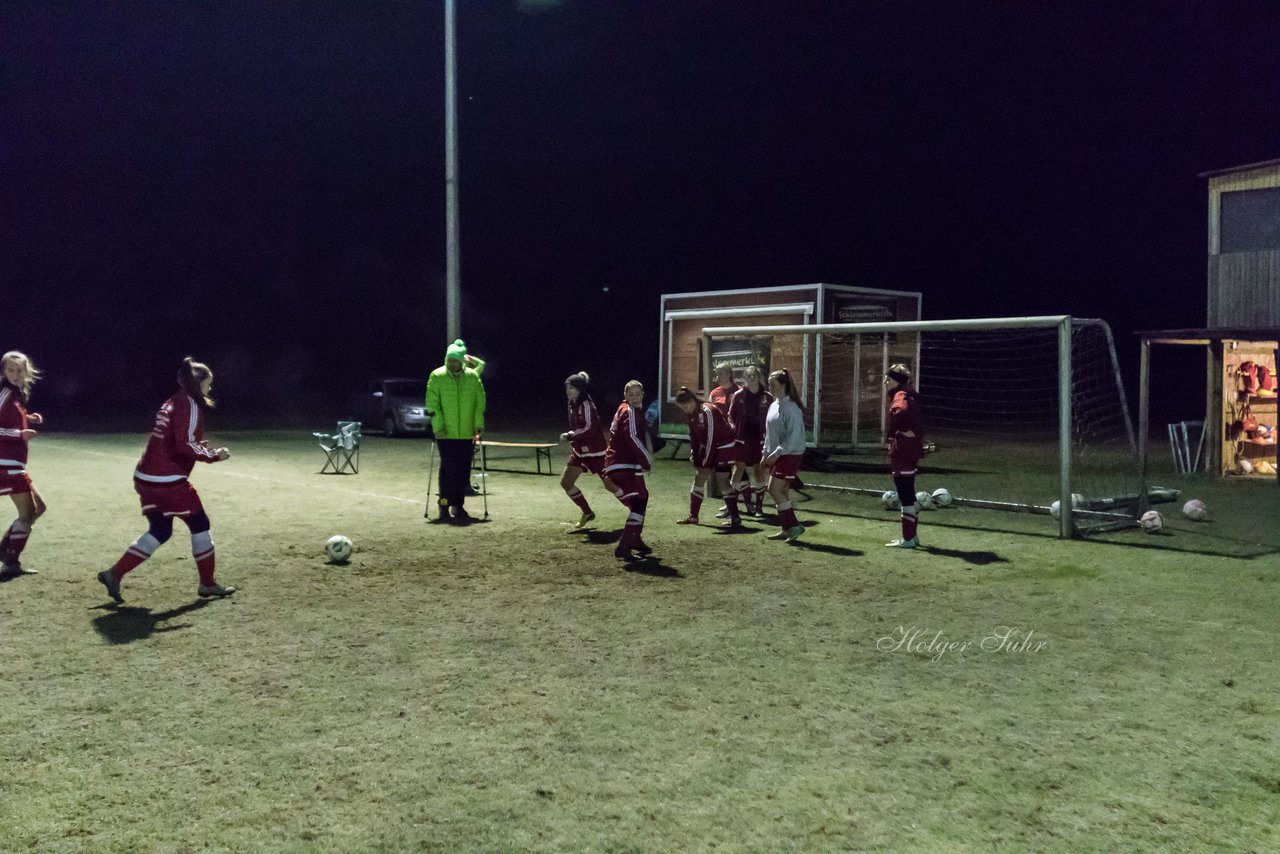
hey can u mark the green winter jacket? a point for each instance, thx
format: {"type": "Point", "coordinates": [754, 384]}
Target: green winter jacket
{"type": "Point", "coordinates": [455, 403]}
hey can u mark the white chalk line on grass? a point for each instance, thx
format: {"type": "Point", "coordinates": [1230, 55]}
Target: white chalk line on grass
{"type": "Point", "coordinates": [225, 473]}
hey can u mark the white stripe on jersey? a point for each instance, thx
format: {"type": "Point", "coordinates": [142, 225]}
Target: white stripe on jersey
{"type": "Point", "coordinates": [159, 478]}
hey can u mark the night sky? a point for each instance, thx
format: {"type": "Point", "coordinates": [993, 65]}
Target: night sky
{"type": "Point", "coordinates": [261, 184]}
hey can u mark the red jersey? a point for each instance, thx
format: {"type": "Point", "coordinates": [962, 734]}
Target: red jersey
{"type": "Point", "coordinates": [906, 414]}
{"type": "Point", "coordinates": [586, 432]}
{"type": "Point", "coordinates": [628, 443]}
{"type": "Point", "coordinates": [13, 420]}
{"type": "Point", "coordinates": [747, 411]}
{"type": "Point", "coordinates": [719, 398]}
{"type": "Point", "coordinates": [709, 435]}
{"type": "Point", "coordinates": [176, 442]}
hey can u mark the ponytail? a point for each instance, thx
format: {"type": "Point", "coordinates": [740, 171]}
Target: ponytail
{"type": "Point", "coordinates": [190, 376]}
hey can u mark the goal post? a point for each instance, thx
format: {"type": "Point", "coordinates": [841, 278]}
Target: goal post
{"type": "Point", "coordinates": [1024, 413]}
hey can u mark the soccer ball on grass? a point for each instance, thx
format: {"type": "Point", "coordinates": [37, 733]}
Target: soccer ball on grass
{"type": "Point", "coordinates": [889, 501]}
{"type": "Point", "coordinates": [338, 549]}
{"type": "Point", "coordinates": [924, 500]}
{"type": "Point", "coordinates": [1195, 510]}
{"type": "Point", "coordinates": [1151, 521]}
{"type": "Point", "coordinates": [941, 497]}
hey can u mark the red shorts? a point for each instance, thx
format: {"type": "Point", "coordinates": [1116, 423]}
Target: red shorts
{"type": "Point", "coordinates": [721, 460]}
{"type": "Point", "coordinates": [787, 466]}
{"type": "Point", "coordinates": [903, 465]}
{"type": "Point", "coordinates": [631, 483]}
{"type": "Point", "coordinates": [169, 499]}
{"type": "Point", "coordinates": [591, 465]}
{"type": "Point", "coordinates": [14, 484]}
{"type": "Point", "coordinates": [748, 452]}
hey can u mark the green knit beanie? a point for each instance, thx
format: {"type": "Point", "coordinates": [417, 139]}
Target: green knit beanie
{"type": "Point", "coordinates": [457, 350]}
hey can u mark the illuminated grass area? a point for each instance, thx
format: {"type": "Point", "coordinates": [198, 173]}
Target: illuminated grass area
{"type": "Point", "coordinates": [508, 686]}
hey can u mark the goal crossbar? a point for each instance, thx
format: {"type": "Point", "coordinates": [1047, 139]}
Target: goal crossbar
{"type": "Point", "coordinates": [1063, 323]}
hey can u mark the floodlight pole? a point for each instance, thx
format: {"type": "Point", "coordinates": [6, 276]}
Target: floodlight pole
{"type": "Point", "coordinates": [453, 320]}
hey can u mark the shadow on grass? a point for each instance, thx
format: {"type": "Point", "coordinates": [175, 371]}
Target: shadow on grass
{"type": "Point", "coordinates": [600, 538]}
{"type": "Point", "coordinates": [124, 624]}
{"type": "Point", "coordinates": [10, 576]}
{"type": "Point", "coordinates": [652, 566]}
{"type": "Point", "coordinates": [826, 549]}
{"type": "Point", "coordinates": [983, 558]}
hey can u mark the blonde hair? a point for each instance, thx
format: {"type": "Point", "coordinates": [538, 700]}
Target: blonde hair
{"type": "Point", "coordinates": [752, 371]}
{"type": "Point", "coordinates": [632, 383]}
{"type": "Point", "coordinates": [29, 371]}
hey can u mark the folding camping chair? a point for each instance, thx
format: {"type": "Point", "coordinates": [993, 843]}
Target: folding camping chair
{"type": "Point", "coordinates": [341, 449]}
{"type": "Point", "coordinates": [1183, 435]}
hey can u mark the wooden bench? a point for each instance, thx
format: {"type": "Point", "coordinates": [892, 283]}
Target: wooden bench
{"type": "Point", "coordinates": [541, 452]}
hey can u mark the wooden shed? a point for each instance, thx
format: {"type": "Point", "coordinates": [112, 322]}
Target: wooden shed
{"type": "Point", "coordinates": [1241, 337]}
{"type": "Point", "coordinates": [683, 316]}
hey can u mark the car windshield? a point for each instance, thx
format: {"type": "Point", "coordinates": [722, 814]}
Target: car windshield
{"type": "Point", "coordinates": [407, 388]}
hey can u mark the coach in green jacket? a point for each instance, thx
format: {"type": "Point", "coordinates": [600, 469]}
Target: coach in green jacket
{"type": "Point", "coordinates": [455, 402]}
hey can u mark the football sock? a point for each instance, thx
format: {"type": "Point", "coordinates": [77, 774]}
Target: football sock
{"type": "Point", "coordinates": [14, 541]}
{"type": "Point", "coordinates": [695, 500]}
{"type": "Point", "coordinates": [141, 549]}
{"type": "Point", "coordinates": [909, 522]}
{"type": "Point", "coordinates": [581, 500]}
{"type": "Point", "coordinates": [202, 551]}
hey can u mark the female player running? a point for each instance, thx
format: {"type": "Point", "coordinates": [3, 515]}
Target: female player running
{"type": "Point", "coordinates": [176, 444]}
{"type": "Point", "coordinates": [626, 463]}
{"type": "Point", "coordinates": [784, 449]}
{"type": "Point", "coordinates": [16, 431]}
{"type": "Point", "coordinates": [748, 408]}
{"type": "Point", "coordinates": [711, 450]}
{"type": "Point", "coordinates": [587, 437]}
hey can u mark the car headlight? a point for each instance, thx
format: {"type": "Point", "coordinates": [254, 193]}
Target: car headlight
{"type": "Point", "coordinates": [416, 411]}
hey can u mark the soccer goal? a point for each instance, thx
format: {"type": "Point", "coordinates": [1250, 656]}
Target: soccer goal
{"type": "Point", "coordinates": [1023, 414]}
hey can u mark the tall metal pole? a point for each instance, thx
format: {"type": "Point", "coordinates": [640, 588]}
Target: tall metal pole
{"type": "Point", "coordinates": [453, 302]}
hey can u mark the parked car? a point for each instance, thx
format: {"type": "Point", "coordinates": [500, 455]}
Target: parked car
{"type": "Point", "coordinates": [397, 405]}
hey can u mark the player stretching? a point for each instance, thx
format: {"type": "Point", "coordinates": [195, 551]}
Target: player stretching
{"type": "Point", "coordinates": [625, 463]}
{"type": "Point", "coordinates": [587, 437]}
{"type": "Point", "coordinates": [711, 449]}
{"type": "Point", "coordinates": [176, 444]}
{"type": "Point", "coordinates": [784, 449]}
{"type": "Point", "coordinates": [906, 444]}
{"type": "Point", "coordinates": [15, 431]}
{"type": "Point", "coordinates": [748, 408]}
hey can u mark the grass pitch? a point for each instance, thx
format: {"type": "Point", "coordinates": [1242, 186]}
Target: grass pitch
{"type": "Point", "coordinates": [508, 686]}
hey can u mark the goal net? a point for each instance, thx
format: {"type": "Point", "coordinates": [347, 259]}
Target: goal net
{"type": "Point", "coordinates": [1021, 414]}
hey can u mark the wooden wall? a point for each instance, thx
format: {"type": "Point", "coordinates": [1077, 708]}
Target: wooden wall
{"type": "Point", "coordinates": [1244, 287]}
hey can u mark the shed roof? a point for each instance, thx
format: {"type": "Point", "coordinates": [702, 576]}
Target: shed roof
{"type": "Point", "coordinates": [1223, 333]}
{"type": "Point", "coordinates": [1245, 168]}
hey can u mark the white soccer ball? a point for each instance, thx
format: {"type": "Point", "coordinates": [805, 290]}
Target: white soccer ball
{"type": "Point", "coordinates": [338, 549]}
{"type": "Point", "coordinates": [1151, 521]}
{"type": "Point", "coordinates": [889, 501]}
{"type": "Point", "coordinates": [924, 500]}
{"type": "Point", "coordinates": [1195, 510]}
{"type": "Point", "coordinates": [1055, 509]}
{"type": "Point", "coordinates": [1244, 467]}
{"type": "Point", "coordinates": [941, 497]}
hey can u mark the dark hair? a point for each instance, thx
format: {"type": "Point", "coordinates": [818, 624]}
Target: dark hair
{"type": "Point", "coordinates": [784, 377]}
{"type": "Point", "coordinates": [190, 375]}
{"type": "Point", "coordinates": [579, 381]}
{"type": "Point", "coordinates": [899, 372]}
{"type": "Point", "coordinates": [686, 396]}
